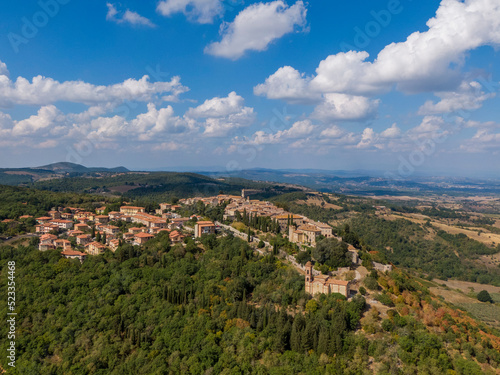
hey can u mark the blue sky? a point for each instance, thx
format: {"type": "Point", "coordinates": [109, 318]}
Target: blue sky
{"type": "Point", "coordinates": [400, 86]}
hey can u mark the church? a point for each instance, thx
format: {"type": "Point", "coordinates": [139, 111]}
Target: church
{"type": "Point", "coordinates": [324, 284]}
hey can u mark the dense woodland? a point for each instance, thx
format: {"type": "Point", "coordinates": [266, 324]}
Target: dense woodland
{"type": "Point", "coordinates": [161, 186]}
{"type": "Point", "coordinates": [218, 307]}
{"type": "Point", "coordinates": [405, 244]}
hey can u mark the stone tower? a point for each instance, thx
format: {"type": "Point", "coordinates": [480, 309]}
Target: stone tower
{"type": "Point", "coordinates": [309, 277]}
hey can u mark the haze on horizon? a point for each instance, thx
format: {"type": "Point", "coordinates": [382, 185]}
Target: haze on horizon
{"type": "Point", "coordinates": [190, 84]}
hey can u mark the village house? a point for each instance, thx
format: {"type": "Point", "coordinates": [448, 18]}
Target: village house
{"type": "Point", "coordinates": [128, 237]}
{"type": "Point", "coordinates": [47, 242]}
{"type": "Point", "coordinates": [113, 245]}
{"type": "Point", "coordinates": [25, 217]}
{"type": "Point", "coordinates": [54, 214]}
{"type": "Point", "coordinates": [176, 236]}
{"type": "Point", "coordinates": [305, 234]}
{"type": "Point", "coordinates": [83, 239]}
{"type": "Point", "coordinates": [62, 224]}
{"type": "Point", "coordinates": [46, 228]}
{"type": "Point", "coordinates": [63, 244]}
{"type": "Point", "coordinates": [100, 210]}
{"type": "Point", "coordinates": [165, 206]}
{"type": "Point", "coordinates": [326, 230]}
{"type": "Point", "coordinates": [149, 220]}
{"type": "Point", "coordinates": [111, 229]}
{"type": "Point", "coordinates": [81, 226]}
{"type": "Point", "coordinates": [142, 238]}
{"type": "Point", "coordinates": [95, 248]}
{"type": "Point", "coordinates": [74, 233]}
{"type": "Point", "coordinates": [73, 254]}
{"type": "Point", "coordinates": [285, 220]}
{"type": "Point", "coordinates": [66, 216]}
{"type": "Point", "coordinates": [43, 219]}
{"type": "Point", "coordinates": [135, 230]}
{"type": "Point", "coordinates": [324, 283]}
{"type": "Point", "coordinates": [203, 227]}
{"type": "Point", "coordinates": [131, 210]}
{"type": "Point", "coordinates": [115, 215]}
{"type": "Point", "coordinates": [101, 219]}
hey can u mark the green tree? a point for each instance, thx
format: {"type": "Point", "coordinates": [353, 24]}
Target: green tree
{"type": "Point", "coordinates": [484, 296]}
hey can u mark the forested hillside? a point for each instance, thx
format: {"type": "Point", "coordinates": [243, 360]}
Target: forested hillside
{"type": "Point", "coordinates": [161, 186]}
{"type": "Point", "coordinates": [411, 245]}
{"type": "Point", "coordinates": [216, 307]}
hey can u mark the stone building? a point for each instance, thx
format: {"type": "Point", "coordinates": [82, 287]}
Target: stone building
{"type": "Point", "coordinates": [324, 283]}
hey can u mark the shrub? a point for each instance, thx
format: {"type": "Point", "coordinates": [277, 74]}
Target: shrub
{"type": "Point", "coordinates": [371, 283]}
{"type": "Point", "coordinates": [484, 296]}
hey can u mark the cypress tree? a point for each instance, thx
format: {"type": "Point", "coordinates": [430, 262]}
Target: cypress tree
{"type": "Point", "coordinates": [323, 341]}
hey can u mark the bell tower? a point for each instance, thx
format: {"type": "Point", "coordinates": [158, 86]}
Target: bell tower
{"type": "Point", "coordinates": [309, 277]}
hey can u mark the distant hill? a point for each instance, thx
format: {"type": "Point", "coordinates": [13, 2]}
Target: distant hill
{"type": "Point", "coordinates": [26, 176]}
{"type": "Point", "coordinates": [371, 183]}
{"type": "Point", "coordinates": [64, 167]}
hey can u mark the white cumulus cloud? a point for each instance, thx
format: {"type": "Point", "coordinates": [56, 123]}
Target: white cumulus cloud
{"type": "Point", "coordinates": [128, 16]}
{"type": "Point", "coordinates": [255, 27]}
{"type": "Point", "coordinates": [426, 61]}
{"type": "Point", "coordinates": [44, 91]}
{"type": "Point", "coordinates": [345, 107]}
{"type": "Point", "coordinates": [201, 11]}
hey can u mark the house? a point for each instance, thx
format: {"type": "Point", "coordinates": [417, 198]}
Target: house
{"type": "Point", "coordinates": [54, 214]}
{"type": "Point", "coordinates": [111, 229]}
{"type": "Point", "coordinates": [204, 227]}
{"type": "Point", "coordinates": [95, 248]}
{"type": "Point", "coordinates": [142, 238]}
{"type": "Point", "coordinates": [83, 239]}
{"type": "Point", "coordinates": [165, 206]}
{"type": "Point", "coordinates": [43, 219]}
{"type": "Point", "coordinates": [285, 220]}
{"type": "Point", "coordinates": [47, 242]}
{"type": "Point", "coordinates": [135, 230]}
{"type": "Point", "coordinates": [81, 226]}
{"type": "Point", "coordinates": [74, 233]}
{"type": "Point", "coordinates": [324, 283]}
{"type": "Point", "coordinates": [101, 219]}
{"type": "Point", "coordinates": [149, 221]}
{"type": "Point", "coordinates": [131, 210]}
{"type": "Point", "coordinates": [62, 224]}
{"type": "Point", "coordinates": [66, 216]}
{"type": "Point", "coordinates": [46, 228]}
{"type": "Point", "coordinates": [176, 236]}
{"type": "Point", "coordinates": [305, 234]}
{"type": "Point", "coordinates": [100, 210]}
{"type": "Point", "coordinates": [25, 217]}
{"type": "Point", "coordinates": [113, 245]}
{"type": "Point", "coordinates": [115, 215]}
{"type": "Point", "coordinates": [73, 254]}
{"type": "Point", "coordinates": [129, 237]}
{"type": "Point", "coordinates": [326, 230]}
{"type": "Point", "coordinates": [63, 244]}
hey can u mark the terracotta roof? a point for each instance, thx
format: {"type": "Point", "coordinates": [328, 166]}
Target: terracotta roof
{"type": "Point", "coordinates": [72, 253]}
{"type": "Point", "coordinates": [97, 244]}
{"type": "Point", "coordinates": [48, 236]}
{"type": "Point", "coordinates": [144, 235]}
{"type": "Point", "coordinates": [205, 223]}
{"type": "Point", "coordinates": [309, 228]}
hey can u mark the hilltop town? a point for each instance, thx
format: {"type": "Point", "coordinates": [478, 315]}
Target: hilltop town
{"type": "Point", "coordinates": [79, 233]}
